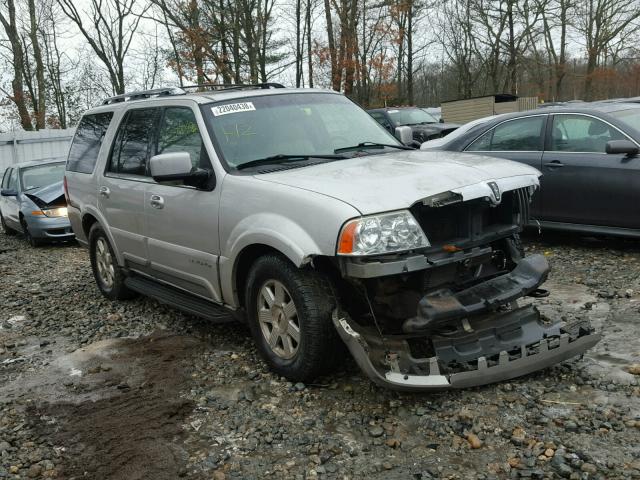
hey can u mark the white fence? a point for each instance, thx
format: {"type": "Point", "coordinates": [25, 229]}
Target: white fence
{"type": "Point", "coordinates": [20, 146]}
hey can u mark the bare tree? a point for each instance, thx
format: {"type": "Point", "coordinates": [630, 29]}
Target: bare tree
{"type": "Point", "coordinates": [9, 22]}
{"type": "Point", "coordinates": [109, 27]}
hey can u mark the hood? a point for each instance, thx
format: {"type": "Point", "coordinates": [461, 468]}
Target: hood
{"type": "Point", "coordinates": [49, 195]}
{"type": "Point", "coordinates": [394, 181]}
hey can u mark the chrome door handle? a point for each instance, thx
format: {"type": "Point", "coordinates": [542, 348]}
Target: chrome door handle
{"type": "Point", "coordinates": [157, 201]}
{"type": "Point", "coordinates": [105, 192]}
{"type": "Point", "coordinates": [554, 164]}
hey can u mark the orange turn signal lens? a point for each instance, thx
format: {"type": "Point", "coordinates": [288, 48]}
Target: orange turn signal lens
{"type": "Point", "coordinates": [451, 248]}
{"type": "Point", "coordinates": [347, 237]}
{"type": "Point", "coordinates": [37, 212]}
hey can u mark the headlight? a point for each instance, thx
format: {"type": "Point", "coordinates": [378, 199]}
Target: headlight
{"type": "Point", "coordinates": [379, 234]}
{"type": "Point", "coordinates": [55, 212]}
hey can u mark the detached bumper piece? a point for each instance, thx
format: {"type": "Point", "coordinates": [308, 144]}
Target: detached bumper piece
{"type": "Point", "coordinates": [443, 305]}
{"type": "Point", "coordinates": [495, 348]}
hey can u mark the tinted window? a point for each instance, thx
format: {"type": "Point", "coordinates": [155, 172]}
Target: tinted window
{"type": "Point", "coordinates": [524, 134]}
{"type": "Point", "coordinates": [131, 149]}
{"type": "Point", "coordinates": [179, 133]}
{"type": "Point", "coordinates": [381, 119]}
{"type": "Point", "coordinates": [579, 133]}
{"type": "Point", "coordinates": [87, 142]}
{"type": "Point", "coordinates": [5, 178]}
{"type": "Point", "coordinates": [41, 176]}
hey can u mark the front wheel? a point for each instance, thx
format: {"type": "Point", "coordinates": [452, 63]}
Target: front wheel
{"type": "Point", "coordinates": [289, 312]}
{"type": "Point", "coordinates": [109, 276]}
{"type": "Point", "coordinates": [6, 229]}
{"type": "Point", "coordinates": [34, 242]}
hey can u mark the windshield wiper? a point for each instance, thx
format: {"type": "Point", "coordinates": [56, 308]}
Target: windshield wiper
{"type": "Point", "coordinates": [285, 158]}
{"type": "Point", "coordinates": [364, 145]}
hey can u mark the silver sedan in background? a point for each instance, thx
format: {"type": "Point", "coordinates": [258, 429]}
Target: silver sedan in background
{"type": "Point", "coordinates": [32, 201]}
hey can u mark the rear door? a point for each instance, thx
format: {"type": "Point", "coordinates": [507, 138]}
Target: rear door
{"type": "Point", "coordinates": [182, 221]}
{"type": "Point", "coordinates": [520, 139]}
{"type": "Point", "coordinates": [122, 188]}
{"type": "Point", "coordinates": [582, 183]}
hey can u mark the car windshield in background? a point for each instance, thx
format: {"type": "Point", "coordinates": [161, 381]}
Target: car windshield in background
{"type": "Point", "coordinates": [411, 116]}
{"type": "Point", "coordinates": [302, 124]}
{"type": "Point", "coordinates": [41, 175]}
{"type": "Point", "coordinates": [629, 116]}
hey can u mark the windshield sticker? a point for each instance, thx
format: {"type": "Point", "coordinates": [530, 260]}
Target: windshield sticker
{"type": "Point", "coordinates": [232, 108]}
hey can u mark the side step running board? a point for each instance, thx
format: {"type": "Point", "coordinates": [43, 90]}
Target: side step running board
{"type": "Point", "coordinates": [179, 299]}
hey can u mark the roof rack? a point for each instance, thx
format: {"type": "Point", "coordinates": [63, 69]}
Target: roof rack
{"type": "Point", "coordinates": [139, 95]}
{"type": "Point", "coordinates": [169, 91]}
{"type": "Point", "coordinates": [226, 86]}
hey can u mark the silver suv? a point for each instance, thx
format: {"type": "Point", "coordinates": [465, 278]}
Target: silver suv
{"type": "Point", "coordinates": [295, 211]}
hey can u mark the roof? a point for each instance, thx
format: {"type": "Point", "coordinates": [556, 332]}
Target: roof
{"type": "Point", "coordinates": [206, 97]}
{"type": "Point", "coordinates": [35, 163]}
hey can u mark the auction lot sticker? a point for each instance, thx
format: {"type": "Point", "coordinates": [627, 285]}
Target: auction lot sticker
{"type": "Point", "coordinates": [232, 108]}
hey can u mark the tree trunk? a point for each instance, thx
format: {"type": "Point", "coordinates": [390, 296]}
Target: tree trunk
{"type": "Point", "coordinates": [309, 53]}
{"type": "Point", "coordinates": [336, 75]}
{"type": "Point", "coordinates": [17, 83]}
{"type": "Point", "coordinates": [40, 106]}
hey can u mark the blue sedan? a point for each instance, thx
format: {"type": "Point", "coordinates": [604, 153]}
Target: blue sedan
{"type": "Point", "coordinates": [32, 201]}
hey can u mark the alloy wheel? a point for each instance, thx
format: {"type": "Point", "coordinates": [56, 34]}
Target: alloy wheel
{"type": "Point", "coordinates": [104, 262]}
{"type": "Point", "coordinates": [278, 319]}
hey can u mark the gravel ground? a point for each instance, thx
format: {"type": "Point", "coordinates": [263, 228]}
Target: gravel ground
{"type": "Point", "coordinates": [136, 390]}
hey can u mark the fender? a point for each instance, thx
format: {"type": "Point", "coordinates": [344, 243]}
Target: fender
{"type": "Point", "coordinates": [259, 229]}
{"type": "Point", "coordinates": [94, 212]}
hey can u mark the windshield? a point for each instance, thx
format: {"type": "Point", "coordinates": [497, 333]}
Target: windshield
{"type": "Point", "coordinates": [41, 176]}
{"type": "Point", "coordinates": [455, 134]}
{"type": "Point", "coordinates": [631, 117]}
{"type": "Point", "coordinates": [411, 116]}
{"type": "Point", "coordinates": [297, 124]}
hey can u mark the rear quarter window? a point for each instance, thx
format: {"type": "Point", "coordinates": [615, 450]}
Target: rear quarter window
{"type": "Point", "coordinates": [87, 141]}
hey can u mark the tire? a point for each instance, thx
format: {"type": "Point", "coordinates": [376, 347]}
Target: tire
{"type": "Point", "coordinates": [108, 275]}
{"type": "Point", "coordinates": [6, 229]}
{"type": "Point", "coordinates": [34, 242]}
{"type": "Point", "coordinates": [319, 348]}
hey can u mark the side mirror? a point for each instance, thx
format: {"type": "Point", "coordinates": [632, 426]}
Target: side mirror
{"type": "Point", "coordinates": [626, 147]}
{"type": "Point", "coordinates": [172, 167]}
{"type": "Point", "coordinates": [404, 134]}
{"type": "Point", "coordinates": [6, 192]}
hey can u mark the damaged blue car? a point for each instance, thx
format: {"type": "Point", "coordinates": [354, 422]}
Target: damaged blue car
{"type": "Point", "coordinates": [32, 202]}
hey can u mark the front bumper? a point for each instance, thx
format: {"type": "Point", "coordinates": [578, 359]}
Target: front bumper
{"type": "Point", "coordinates": [393, 368]}
{"type": "Point", "coordinates": [51, 228]}
{"type": "Point", "coordinates": [483, 341]}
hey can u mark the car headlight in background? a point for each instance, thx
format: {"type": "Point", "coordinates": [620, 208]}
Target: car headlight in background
{"type": "Point", "coordinates": [52, 212]}
{"type": "Point", "coordinates": [379, 234]}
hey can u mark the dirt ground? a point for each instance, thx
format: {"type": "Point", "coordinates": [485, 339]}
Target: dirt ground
{"type": "Point", "coordinates": [136, 390]}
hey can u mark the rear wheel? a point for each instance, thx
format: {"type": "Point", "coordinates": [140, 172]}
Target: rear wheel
{"type": "Point", "coordinates": [109, 276]}
{"type": "Point", "coordinates": [289, 312]}
{"type": "Point", "coordinates": [34, 242]}
{"type": "Point", "coordinates": [6, 229]}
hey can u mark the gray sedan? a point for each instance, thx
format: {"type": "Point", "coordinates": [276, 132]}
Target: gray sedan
{"type": "Point", "coordinates": [587, 153]}
{"type": "Point", "coordinates": [32, 202]}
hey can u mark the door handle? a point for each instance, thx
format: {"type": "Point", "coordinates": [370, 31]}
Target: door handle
{"type": "Point", "coordinates": [157, 201]}
{"type": "Point", "coordinates": [105, 192]}
{"type": "Point", "coordinates": [554, 164]}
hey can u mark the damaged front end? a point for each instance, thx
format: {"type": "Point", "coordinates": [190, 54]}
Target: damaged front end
{"type": "Point", "coordinates": [448, 317]}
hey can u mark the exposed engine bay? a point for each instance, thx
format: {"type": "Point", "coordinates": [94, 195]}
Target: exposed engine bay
{"type": "Point", "coordinates": [447, 316]}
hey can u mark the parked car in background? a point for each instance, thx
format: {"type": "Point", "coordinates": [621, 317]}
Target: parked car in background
{"type": "Point", "coordinates": [588, 154]}
{"type": "Point", "coordinates": [32, 201]}
{"type": "Point", "coordinates": [435, 112]}
{"type": "Point", "coordinates": [294, 211]}
{"type": "Point", "coordinates": [423, 125]}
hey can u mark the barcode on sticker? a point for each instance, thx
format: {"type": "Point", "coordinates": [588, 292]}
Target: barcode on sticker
{"type": "Point", "coordinates": [232, 108]}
